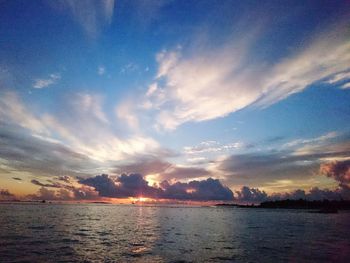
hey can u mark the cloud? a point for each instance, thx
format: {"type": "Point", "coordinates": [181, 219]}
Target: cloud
{"type": "Point", "coordinates": [23, 152]}
{"type": "Point", "coordinates": [64, 178]}
{"type": "Point", "coordinates": [6, 195]}
{"type": "Point", "coordinates": [251, 195]}
{"type": "Point", "coordinates": [92, 15]}
{"type": "Point", "coordinates": [54, 185]}
{"type": "Point", "coordinates": [338, 170]}
{"type": "Point", "coordinates": [134, 185]}
{"type": "Point", "coordinates": [17, 178]}
{"type": "Point", "coordinates": [205, 190]}
{"type": "Point", "coordinates": [128, 68]}
{"type": "Point", "coordinates": [12, 110]}
{"type": "Point", "coordinates": [44, 83]}
{"type": "Point", "coordinates": [162, 169]}
{"type": "Point", "coordinates": [212, 146]}
{"type": "Point", "coordinates": [297, 159]}
{"type": "Point", "coordinates": [340, 77]}
{"type": "Point", "coordinates": [144, 166]}
{"type": "Point", "coordinates": [70, 190]}
{"type": "Point", "coordinates": [255, 195]}
{"type": "Point", "coordinates": [125, 112]}
{"type": "Point", "coordinates": [64, 140]}
{"type": "Point", "coordinates": [210, 83]}
{"type": "Point", "coordinates": [346, 86]}
{"type": "Point", "coordinates": [145, 12]}
{"type": "Point", "coordinates": [184, 173]}
{"type": "Point", "coordinates": [101, 70]}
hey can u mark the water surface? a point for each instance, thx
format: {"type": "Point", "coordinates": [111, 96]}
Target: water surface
{"type": "Point", "coordinates": [118, 233]}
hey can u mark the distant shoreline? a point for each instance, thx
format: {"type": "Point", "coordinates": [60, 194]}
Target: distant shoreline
{"type": "Point", "coordinates": [324, 206]}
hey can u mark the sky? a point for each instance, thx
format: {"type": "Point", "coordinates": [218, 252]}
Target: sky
{"type": "Point", "coordinates": [241, 101]}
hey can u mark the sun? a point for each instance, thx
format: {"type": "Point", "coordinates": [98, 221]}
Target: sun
{"type": "Point", "coordinates": [142, 199]}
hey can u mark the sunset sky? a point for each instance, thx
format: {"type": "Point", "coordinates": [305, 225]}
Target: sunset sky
{"type": "Point", "coordinates": [177, 100]}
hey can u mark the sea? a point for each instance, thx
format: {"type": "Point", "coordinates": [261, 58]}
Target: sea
{"type": "Point", "coordinates": [143, 233]}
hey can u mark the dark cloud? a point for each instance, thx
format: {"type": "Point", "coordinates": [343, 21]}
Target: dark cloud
{"type": "Point", "coordinates": [338, 170]}
{"type": "Point", "coordinates": [134, 185]}
{"type": "Point", "coordinates": [5, 193]}
{"type": "Point", "coordinates": [53, 184]}
{"type": "Point", "coordinates": [250, 195]}
{"type": "Point", "coordinates": [254, 195]}
{"type": "Point", "coordinates": [103, 184]}
{"type": "Point", "coordinates": [314, 194]}
{"type": "Point", "coordinates": [17, 178]}
{"type": "Point", "coordinates": [205, 190]}
{"type": "Point", "coordinates": [24, 152]}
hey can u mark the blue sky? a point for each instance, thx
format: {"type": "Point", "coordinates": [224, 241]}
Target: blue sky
{"type": "Point", "coordinates": [253, 94]}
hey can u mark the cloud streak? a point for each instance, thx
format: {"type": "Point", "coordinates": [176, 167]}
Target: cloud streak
{"type": "Point", "coordinates": [91, 15]}
{"type": "Point", "coordinates": [211, 83]}
{"type": "Point", "coordinates": [296, 160]}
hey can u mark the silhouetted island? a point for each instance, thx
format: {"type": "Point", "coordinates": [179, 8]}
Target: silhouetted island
{"type": "Point", "coordinates": [324, 206]}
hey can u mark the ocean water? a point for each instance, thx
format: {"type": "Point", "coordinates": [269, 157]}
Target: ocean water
{"type": "Point", "coordinates": [121, 233]}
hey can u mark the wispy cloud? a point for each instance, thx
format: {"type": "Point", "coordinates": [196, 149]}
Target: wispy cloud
{"type": "Point", "coordinates": [43, 143]}
{"type": "Point", "coordinates": [92, 15]}
{"type": "Point", "coordinates": [300, 160]}
{"type": "Point", "coordinates": [44, 83]}
{"type": "Point", "coordinates": [211, 83]}
{"type": "Point", "coordinates": [128, 68]}
{"type": "Point", "coordinates": [101, 70]}
{"type": "Point", "coordinates": [212, 146]}
{"type": "Point", "coordinates": [346, 86]}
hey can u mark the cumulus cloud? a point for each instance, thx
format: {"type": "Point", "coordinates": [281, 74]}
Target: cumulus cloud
{"type": "Point", "coordinates": [6, 195]}
{"type": "Point", "coordinates": [251, 195]}
{"type": "Point", "coordinates": [255, 195]}
{"type": "Point", "coordinates": [205, 190]}
{"type": "Point", "coordinates": [338, 170]}
{"type": "Point", "coordinates": [44, 83]}
{"type": "Point", "coordinates": [213, 82]}
{"type": "Point", "coordinates": [134, 185]}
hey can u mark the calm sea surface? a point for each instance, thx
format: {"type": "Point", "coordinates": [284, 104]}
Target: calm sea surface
{"type": "Point", "coordinates": [117, 233]}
